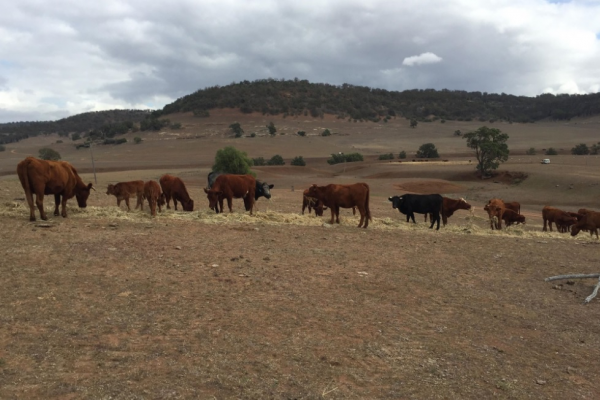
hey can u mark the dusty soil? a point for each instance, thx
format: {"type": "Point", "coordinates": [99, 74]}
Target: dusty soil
{"type": "Point", "coordinates": [114, 304]}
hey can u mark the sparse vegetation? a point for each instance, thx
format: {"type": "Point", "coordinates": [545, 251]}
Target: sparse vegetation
{"type": "Point", "coordinates": [47, 153]}
{"type": "Point", "coordinates": [551, 152]}
{"type": "Point", "coordinates": [137, 140]}
{"type": "Point", "coordinates": [232, 161]}
{"type": "Point", "coordinates": [341, 157]}
{"type": "Point", "coordinates": [402, 155]}
{"type": "Point", "coordinates": [259, 161]}
{"type": "Point", "coordinates": [175, 125]}
{"type": "Point", "coordinates": [389, 156]}
{"type": "Point", "coordinates": [413, 123]}
{"type": "Point", "coordinates": [301, 133]}
{"type": "Point", "coordinates": [457, 132]}
{"type": "Point", "coordinates": [276, 160]}
{"type": "Point", "coordinates": [580, 150]}
{"type": "Point", "coordinates": [75, 136]}
{"type": "Point", "coordinates": [326, 132]}
{"type": "Point", "coordinates": [298, 161]}
{"type": "Point", "coordinates": [530, 151]}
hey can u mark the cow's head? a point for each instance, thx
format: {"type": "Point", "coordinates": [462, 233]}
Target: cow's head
{"type": "Point", "coordinates": [396, 201]}
{"type": "Point", "coordinates": [313, 191]}
{"type": "Point", "coordinates": [463, 205]}
{"type": "Point", "coordinates": [575, 230]}
{"type": "Point", "coordinates": [213, 197]}
{"type": "Point", "coordinates": [82, 194]}
{"type": "Point", "coordinates": [188, 205]}
{"type": "Point", "coordinates": [263, 189]}
{"type": "Point", "coordinates": [110, 189]}
{"type": "Point", "coordinates": [162, 200]}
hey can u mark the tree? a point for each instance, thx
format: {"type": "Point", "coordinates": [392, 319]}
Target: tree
{"type": "Point", "coordinates": [49, 154]}
{"type": "Point", "coordinates": [580, 150]}
{"type": "Point", "coordinates": [301, 133]}
{"type": "Point", "coordinates": [551, 152]}
{"type": "Point", "coordinates": [137, 140]}
{"type": "Point", "coordinates": [237, 129]}
{"type": "Point", "coordinates": [427, 150]}
{"type": "Point", "coordinates": [276, 160]}
{"type": "Point", "coordinates": [232, 161]}
{"type": "Point", "coordinates": [271, 128]}
{"type": "Point", "coordinates": [388, 156]}
{"type": "Point", "coordinates": [326, 132]}
{"type": "Point", "coordinates": [413, 123]}
{"type": "Point", "coordinates": [457, 132]}
{"type": "Point", "coordinates": [595, 149]}
{"type": "Point", "coordinates": [341, 157]}
{"type": "Point", "coordinates": [530, 152]}
{"type": "Point", "coordinates": [298, 161]}
{"type": "Point", "coordinates": [76, 136]}
{"type": "Point", "coordinates": [402, 155]}
{"type": "Point", "coordinates": [259, 161]}
{"type": "Point", "coordinates": [490, 148]}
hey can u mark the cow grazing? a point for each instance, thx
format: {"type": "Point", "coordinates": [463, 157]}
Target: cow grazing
{"type": "Point", "coordinates": [312, 203]}
{"type": "Point", "coordinates": [559, 217]}
{"type": "Point", "coordinates": [154, 196]}
{"type": "Point", "coordinates": [590, 221]}
{"type": "Point", "coordinates": [449, 206]}
{"type": "Point", "coordinates": [229, 186]}
{"type": "Point", "coordinates": [59, 178]}
{"type": "Point", "coordinates": [510, 217]}
{"type": "Point", "coordinates": [173, 187]}
{"type": "Point", "coordinates": [263, 189]}
{"type": "Point", "coordinates": [125, 190]}
{"type": "Point", "coordinates": [495, 209]}
{"type": "Point", "coordinates": [409, 204]}
{"type": "Point", "coordinates": [344, 196]}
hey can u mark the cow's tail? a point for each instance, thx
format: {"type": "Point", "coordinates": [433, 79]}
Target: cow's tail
{"type": "Point", "coordinates": [368, 210]}
{"type": "Point", "coordinates": [22, 168]}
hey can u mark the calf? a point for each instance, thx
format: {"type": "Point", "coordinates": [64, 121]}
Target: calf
{"type": "Point", "coordinates": [154, 196]}
{"type": "Point", "coordinates": [590, 221]}
{"type": "Point", "coordinates": [173, 187]}
{"type": "Point", "coordinates": [510, 217]}
{"type": "Point", "coordinates": [125, 190]}
{"type": "Point", "coordinates": [344, 196]}
{"type": "Point", "coordinates": [559, 217]}
{"type": "Point", "coordinates": [408, 204]}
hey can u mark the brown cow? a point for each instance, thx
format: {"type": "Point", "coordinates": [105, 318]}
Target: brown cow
{"type": "Point", "coordinates": [513, 206]}
{"type": "Point", "coordinates": [559, 217]}
{"type": "Point", "coordinates": [231, 187]}
{"type": "Point", "coordinates": [449, 206]}
{"type": "Point", "coordinates": [312, 203]}
{"type": "Point", "coordinates": [173, 187]}
{"type": "Point", "coordinates": [590, 221]}
{"type": "Point", "coordinates": [59, 178]}
{"type": "Point", "coordinates": [495, 209]}
{"type": "Point", "coordinates": [124, 190]}
{"type": "Point", "coordinates": [510, 217]}
{"type": "Point", "coordinates": [154, 196]}
{"type": "Point", "coordinates": [345, 196]}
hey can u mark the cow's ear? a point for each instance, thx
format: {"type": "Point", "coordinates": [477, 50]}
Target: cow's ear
{"type": "Point", "coordinates": [271, 186]}
{"type": "Point", "coordinates": [390, 199]}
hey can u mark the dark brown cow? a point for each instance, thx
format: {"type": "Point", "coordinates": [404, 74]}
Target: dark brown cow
{"type": "Point", "coordinates": [231, 187]}
{"type": "Point", "coordinates": [59, 178]}
{"type": "Point", "coordinates": [173, 187]}
{"type": "Point", "coordinates": [590, 221]}
{"type": "Point", "coordinates": [513, 206]}
{"type": "Point", "coordinates": [510, 217]}
{"type": "Point", "coordinates": [312, 203]}
{"type": "Point", "coordinates": [495, 209]}
{"type": "Point", "coordinates": [345, 196]}
{"type": "Point", "coordinates": [154, 196]}
{"type": "Point", "coordinates": [559, 217]}
{"type": "Point", "coordinates": [449, 206]}
{"type": "Point", "coordinates": [125, 190]}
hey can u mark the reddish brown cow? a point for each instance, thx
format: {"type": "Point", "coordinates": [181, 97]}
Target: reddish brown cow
{"type": "Point", "coordinates": [231, 187]}
{"type": "Point", "coordinates": [513, 206]}
{"type": "Point", "coordinates": [154, 196]}
{"type": "Point", "coordinates": [59, 178]}
{"type": "Point", "coordinates": [345, 196]}
{"type": "Point", "coordinates": [590, 221]}
{"type": "Point", "coordinates": [495, 209]}
{"type": "Point", "coordinates": [125, 190]}
{"type": "Point", "coordinates": [173, 187]}
{"type": "Point", "coordinates": [311, 203]}
{"type": "Point", "coordinates": [449, 206]}
{"type": "Point", "coordinates": [510, 217]}
{"type": "Point", "coordinates": [559, 217]}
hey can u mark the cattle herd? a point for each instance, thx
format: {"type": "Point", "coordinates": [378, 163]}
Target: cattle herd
{"type": "Point", "coordinates": [59, 178]}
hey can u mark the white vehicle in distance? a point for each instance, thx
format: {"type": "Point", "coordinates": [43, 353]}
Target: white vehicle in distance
{"type": "Point", "coordinates": [546, 161]}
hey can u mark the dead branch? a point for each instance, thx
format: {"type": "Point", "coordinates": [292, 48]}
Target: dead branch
{"type": "Point", "coordinates": [579, 276]}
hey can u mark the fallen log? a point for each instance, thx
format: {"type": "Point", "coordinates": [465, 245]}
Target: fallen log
{"type": "Point", "coordinates": [579, 276]}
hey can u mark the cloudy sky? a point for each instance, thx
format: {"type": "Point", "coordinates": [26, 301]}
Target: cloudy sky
{"type": "Point", "coordinates": [64, 57]}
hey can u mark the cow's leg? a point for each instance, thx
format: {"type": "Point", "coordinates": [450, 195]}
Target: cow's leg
{"type": "Point", "coordinates": [140, 203]}
{"type": "Point", "coordinates": [251, 204]}
{"type": "Point", "coordinates": [550, 225]}
{"type": "Point", "coordinates": [412, 216]}
{"type": "Point", "coordinates": [332, 214]}
{"type": "Point", "coordinates": [64, 206]}
{"type": "Point", "coordinates": [127, 203]}
{"type": "Point", "coordinates": [363, 217]}
{"type": "Point", "coordinates": [426, 217]}
{"type": "Point", "coordinates": [29, 198]}
{"type": "Point", "coordinates": [545, 227]}
{"type": "Point", "coordinates": [175, 203]}
{"type": "Point", "coordinates": [437, 218]}
{"type": "Point", "coordinates": [57, 204]}
{"type": "Point", "coordinates": [168, 198]}
{"type": "Point", "coordinates": [337, 214]}
{"type": "Point", "coordinates": [229, 204]}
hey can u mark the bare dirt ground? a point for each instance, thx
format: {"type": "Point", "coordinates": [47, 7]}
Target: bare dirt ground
{"type": "Point", "coordinates": [114, 304]}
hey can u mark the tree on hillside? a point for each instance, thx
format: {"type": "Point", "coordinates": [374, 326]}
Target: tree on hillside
{"type": "Point", "coordinates": [232, 161]}
{"type": "Point", "coordinates": [49, 154]}
{"type": "Point", "coordinates": [271, 128]}
{"type": "Point", "coordinates": [236, 128]}
{"type": "Point", "coordinates": [276, 160]}
{"type": "Point", "coordinates": [580, 150]}
{"type": "Point", "coordinates": [551, 152]}
{"type": "Point", "coordinates": [298, 161]}
{"type": "Point", "coordinates": [490, 148]}
{"type": "Point", "coordinates": [413, 123]}
{"type": "Point", "coordinates": [427, 150]}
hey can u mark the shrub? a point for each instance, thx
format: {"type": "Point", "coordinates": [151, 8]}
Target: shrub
{"type": "Point", "coordinates": [402, 155]}
{"type": "Point", "coordinates": [301, 133]}
{"type": "Point", "coordinates": [341, 157]}
{"type": "Point", "coordinates": [253, 134]}
{"type": "Point", "coordinates": [276, 160]}
{"type": "Point", "coordinates": [259, 161]}
{"type": "Point", "coordinates": [326, 132]}
{"type": "Point", "coordinates": [137, 140]}
{"type": "Point", "coordinates": [551, 152]}
{"type": "Point", "coordinates": [271, 128]}
{"type": "Point", "coordinates": [389, 156]}
{"type": "Point", "coordinates": [530, 152]}
{"type": "Point", "coordinates": [457, 132]}
{"type": "Point", "coordinates": [121, 141]}
{"type": "Point", "coordinates": [427, 150]}
{"type": "Point", "coordinates": [595, 149]}
{"type": "Point", "coordinates": [230, 160]}
{"type": "Point", "coordinates": [580, 150]}
{"type": "Point", "coordinates": [298, 161]}
{"type": "Point", "coordinates": [236, 128]}
{"type": "Point", "coordinates": [201, 113]}
{"type": "Point", "coordinates": [49, 154]}
{"type": "Point", "coordinates": [59, 141]}
{"type": "Point", "coordinates": [76, 136]}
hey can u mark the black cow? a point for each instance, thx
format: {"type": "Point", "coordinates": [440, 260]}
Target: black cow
{"type": "Point", "coordinates": [408, 204]}
{"type": "Point", "coordinates": [263, 189]}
